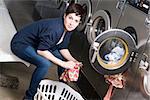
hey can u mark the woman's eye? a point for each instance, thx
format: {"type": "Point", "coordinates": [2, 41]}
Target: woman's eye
{"type": "Point", "coordinates": [76, 21]}
{"type": "Point", "coordinates": [70, 17]}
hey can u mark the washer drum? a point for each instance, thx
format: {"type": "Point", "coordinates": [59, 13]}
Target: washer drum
{"type": "Point", "coordinates": [112, 51]}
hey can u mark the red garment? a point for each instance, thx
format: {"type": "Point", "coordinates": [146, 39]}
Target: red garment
{"type": "Point", "coordinates": [71, 74]}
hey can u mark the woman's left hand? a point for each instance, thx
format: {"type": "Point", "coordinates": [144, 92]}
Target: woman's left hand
{"type": "Point", "coordinates": [71, 74]}
{"type": "Point", "coordinates": [79, 63]}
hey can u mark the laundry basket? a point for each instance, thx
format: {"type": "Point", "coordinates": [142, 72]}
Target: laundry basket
{"type": "Point", "coordinates": [54, 90]}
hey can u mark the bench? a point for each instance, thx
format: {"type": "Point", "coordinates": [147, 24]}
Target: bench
{"type": "Point", "coordinates": [7, 31]}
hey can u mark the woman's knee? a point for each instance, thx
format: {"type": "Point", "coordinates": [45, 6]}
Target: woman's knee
{"type": "Point", "coordinates": [44, 64]}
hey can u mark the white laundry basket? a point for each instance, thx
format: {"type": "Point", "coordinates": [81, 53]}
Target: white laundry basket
{"type": "Point", "coordinates": [54, 90]}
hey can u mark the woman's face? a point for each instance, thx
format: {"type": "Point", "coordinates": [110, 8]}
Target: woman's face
{"type": "Point", "coordinates": [71, 21]}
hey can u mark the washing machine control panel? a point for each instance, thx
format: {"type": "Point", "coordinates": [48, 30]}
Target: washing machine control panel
{"type": "Point", "coordinates": [142, 5]}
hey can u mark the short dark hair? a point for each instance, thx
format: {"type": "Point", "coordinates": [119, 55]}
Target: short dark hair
{"type": "Point", "coordinates": [77, 9]}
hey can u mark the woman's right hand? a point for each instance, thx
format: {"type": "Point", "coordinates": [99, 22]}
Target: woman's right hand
{"type": "Point", "coordinates": [69, 64]}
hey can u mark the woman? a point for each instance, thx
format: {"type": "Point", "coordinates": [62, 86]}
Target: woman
{"type": "Point", "coordinates": [44, 42]}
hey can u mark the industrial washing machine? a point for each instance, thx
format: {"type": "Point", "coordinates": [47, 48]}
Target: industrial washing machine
{"type": "Point", "coordinates": [124, 23]}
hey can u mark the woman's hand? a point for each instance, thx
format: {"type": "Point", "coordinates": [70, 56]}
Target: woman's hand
{"type": "Point", "coordinates": [64, 76]}
{"type": "Point", "coordinates": [79, 63]}
{"type": "Point", "coordinates": [69, 64]}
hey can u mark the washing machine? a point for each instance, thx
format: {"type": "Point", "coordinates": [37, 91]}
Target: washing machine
{"type": "Point", "coordinates": [117, 26]}
{"type": "Point", "coordinates": [106, 15]}
{"type": "Point", "coordinates": [99, 34]}
{"type": "Point", "coordinates": [135, 20]}
{"type": "Point", "coordinates": [124, 23]}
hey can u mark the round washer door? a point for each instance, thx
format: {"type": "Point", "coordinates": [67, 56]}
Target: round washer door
{"type": "Point", "coordinates": [99, 22]}
{"type": "Point", "coordinates": [112, 51]}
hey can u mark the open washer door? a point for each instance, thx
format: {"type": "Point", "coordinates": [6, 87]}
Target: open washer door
{"type": "Point", "coordinates": [112, 51]}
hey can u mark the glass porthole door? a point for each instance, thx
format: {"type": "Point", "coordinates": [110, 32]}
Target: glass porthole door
{"type": "Point", "coordinates": [112, 51]}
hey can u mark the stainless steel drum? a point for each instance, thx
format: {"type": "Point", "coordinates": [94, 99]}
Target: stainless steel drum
{"type": "Point", "coordinates": [112, 51]}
